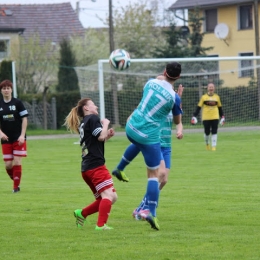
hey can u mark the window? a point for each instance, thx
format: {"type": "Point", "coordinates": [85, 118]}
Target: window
{"type": "Point", "coordinates": [4, 48]}
{"type": "Point", "coordinates": [211, 20]}
{"type": "Point", "coordinates": [245, 66]}
{"type": "Point", "coordinates": [245, 17]}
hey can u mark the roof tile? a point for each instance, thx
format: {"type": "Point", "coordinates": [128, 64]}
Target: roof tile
{"type": "Point", "coordinates": [51, 21]}
{"type": "Point", "coordinates": [189, 4]}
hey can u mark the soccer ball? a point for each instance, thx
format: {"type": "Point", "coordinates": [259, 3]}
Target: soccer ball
{"type": "Point", "coordinates": [119, 59]}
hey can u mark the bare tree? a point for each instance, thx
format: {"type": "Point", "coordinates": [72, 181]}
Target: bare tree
{"type": "Point", "coordinates": [37, 64]}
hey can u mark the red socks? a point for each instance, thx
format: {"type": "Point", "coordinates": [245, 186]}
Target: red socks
{"type": "Point", "coordinates": [104, 211]}
{"type": "Point", "coordinates": [10, 173]}
{"type": "Point", "coordinates": [91, 209]}
{"type": "Point", "coordinates": [17, 174]}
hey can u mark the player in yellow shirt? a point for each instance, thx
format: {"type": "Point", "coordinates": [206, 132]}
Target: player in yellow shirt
{"type": "Point", "coordinates": [211, 113]}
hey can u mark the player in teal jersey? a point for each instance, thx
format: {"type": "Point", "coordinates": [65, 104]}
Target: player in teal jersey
{"type": "Point", "coordinates": [143, 129]}
{"type": "Point", "coordinates": [132, 151]}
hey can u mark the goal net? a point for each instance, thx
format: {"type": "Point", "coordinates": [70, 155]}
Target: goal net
{"type": "Point", "coordinates": [117, 93]}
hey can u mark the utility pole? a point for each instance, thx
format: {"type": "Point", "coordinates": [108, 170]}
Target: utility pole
{"type": "Point", "coordinates": [113, 80]}
{"type": "Point", "coordinates": [257, 51]}
{"type": "Point", "coordinates": [111, 27]}
{"type": "Point", "coordinates": [45, 117]}
{"type": "Point", "coordinates": [78, 7]}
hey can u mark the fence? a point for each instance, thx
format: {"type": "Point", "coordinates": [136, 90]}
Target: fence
{"type": "Point", "coordinates": [42, 115]}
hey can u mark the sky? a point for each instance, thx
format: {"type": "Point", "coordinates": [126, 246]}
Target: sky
{"type": "Point", "coordinates": [89, 10]}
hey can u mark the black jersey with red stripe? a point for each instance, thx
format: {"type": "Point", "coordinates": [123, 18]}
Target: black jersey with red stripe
{"type": "Point", "coordinates": [11, 114]}
{"type": "Point", "coordinates": [92, 149]}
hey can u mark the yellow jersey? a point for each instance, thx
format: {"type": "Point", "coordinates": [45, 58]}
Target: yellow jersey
{"type": "Point", "coordinates": [210, 106]}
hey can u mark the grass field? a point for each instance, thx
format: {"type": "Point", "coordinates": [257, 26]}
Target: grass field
{"type": "Point", "coordinates": [210, 209]}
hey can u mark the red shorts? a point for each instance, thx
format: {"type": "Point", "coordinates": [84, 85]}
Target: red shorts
{"type": "Point", "coordinates": [13, 149]}
{"type": "Point", "coordinates": [98, 179]}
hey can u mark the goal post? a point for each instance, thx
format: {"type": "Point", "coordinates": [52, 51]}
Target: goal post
{"type": "Point", "coordinates": [236, 80]}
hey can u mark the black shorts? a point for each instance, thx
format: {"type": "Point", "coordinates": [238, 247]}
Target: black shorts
{"type": "Point", "coordinates": [210, 126]}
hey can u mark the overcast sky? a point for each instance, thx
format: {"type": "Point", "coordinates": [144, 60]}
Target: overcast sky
{"type": "Point", "coordinates": [90, 10]}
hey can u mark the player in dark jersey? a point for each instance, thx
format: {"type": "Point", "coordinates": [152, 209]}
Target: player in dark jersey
{"type": "Point", "coordinates": [211, 113]}
{"type": "Point", "coordinates": [93, 134]}
{"type": "Point", "coordinates": [13, 124]}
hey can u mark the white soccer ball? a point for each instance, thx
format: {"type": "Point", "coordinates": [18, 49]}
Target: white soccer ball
{"type": "Point", "coordinates": [120, 59]}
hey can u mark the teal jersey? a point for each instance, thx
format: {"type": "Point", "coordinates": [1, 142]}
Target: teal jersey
{"type": "Point", "coordinates": [166, 131]}
{"type": "Point", "coordinates": [157, 102]}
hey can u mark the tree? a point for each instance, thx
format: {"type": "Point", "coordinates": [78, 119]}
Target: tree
{"type": "Point", "coordinates": [196, 36]}
{"type": "Point", "coordinates": [67, 76]}
{"type": "Point", "coordinates": [175, 46]}
{"type": "Point", "coordinates": [86, 50]}
{"type": "Point", "coordinates": [6, 70]}
{"type": "Point", "coordinates": [135, 29]}
{"type": "Point", "coordinates": [37, 64]}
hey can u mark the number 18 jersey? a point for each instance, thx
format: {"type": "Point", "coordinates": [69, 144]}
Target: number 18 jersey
{"type": "Point", "coordinates": [157, 102]}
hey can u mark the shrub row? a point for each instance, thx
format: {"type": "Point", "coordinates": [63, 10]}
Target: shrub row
{"type": "Point", "coordinates": [239, 104]}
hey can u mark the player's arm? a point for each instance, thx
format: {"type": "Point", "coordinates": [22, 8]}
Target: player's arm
{"type": "Point", "coordinates": [196, 112]}
{"type": "Point", "coordinates": [180, 90]}
{"type": "Point", "coordinates": [179, 127]}
{"type": "Point", "coordinates": [110, 133]}
{"type": "Point", "coordinates": [21, 138]}
{"type": "Point", "coordinates": [104, 133]}
{"type": "Point", "coordinates": [3, 136]}
{"type": "Point", "coordinates": [24, 126]}
{"type": "Point", "coordinates": [194, 119]}
{"type": "Point", "coordinates": [177, 117]}
{"type": "Point", "coordinates": [221, 113]}
{"type": "Point", "coordinates": [222, 117]}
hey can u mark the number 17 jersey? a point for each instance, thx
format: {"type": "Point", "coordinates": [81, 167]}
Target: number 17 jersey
{"type": "Point", "coordinates": [158, 100]}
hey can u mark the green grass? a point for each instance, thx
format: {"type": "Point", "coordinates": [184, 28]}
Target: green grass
{"type": "Point", "coordinates": [208, 210]}
{"type": "Point", "coordinates": [34, 132]}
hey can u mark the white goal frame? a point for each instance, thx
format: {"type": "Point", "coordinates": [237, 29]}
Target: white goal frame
{"type": "Point", "coordinates": [106, 61]}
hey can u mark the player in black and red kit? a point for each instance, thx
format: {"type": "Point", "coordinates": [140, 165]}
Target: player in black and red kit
{"type": "Point", "coordinates": [13, 124]}
{"type": "Point", "coordinates": [93, 134]}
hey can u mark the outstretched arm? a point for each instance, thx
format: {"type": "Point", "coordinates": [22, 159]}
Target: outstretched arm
{"type": "Point", "coordinates": [179, 127]}
{"type": "Point", "coordinates": [180, 90]}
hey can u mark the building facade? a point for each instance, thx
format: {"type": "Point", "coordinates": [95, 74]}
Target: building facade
{"type": "Point", "coordinates": [231, 28]}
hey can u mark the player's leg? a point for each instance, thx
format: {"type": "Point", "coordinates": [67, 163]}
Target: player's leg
{"type": "Point", "coordinates": [152, 156]}
{"type": "Point", "coordinates": [142, 211]}
{"type": "Point", "coordinates": [165, 166]}
{"type": "Point", "coordinates": [105, 187]}
{"type": "Point", "coordinates": [19, 151]}
{"type": "Point", "coordinates": [100, 182]}
{"type": "Point", "coordinates": [143, 208]}
{"type": "Point", "coordinates": [130, 153]}
{"type": "Point", "coordinates": [214, 135]}
{"type": "Point", "coordinates": [164, 170]}
{"type": "Point", "coordinates": [7, 150]}
{"type": "Point", "coordinates": [82, 214]}
{"type": "Point", "coordinates": [206, 124]}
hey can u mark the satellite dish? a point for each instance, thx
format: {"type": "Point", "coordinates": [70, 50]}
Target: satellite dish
{"type": "Point", "coordinates": [185, 31]}
{"type": "Point", "coordinates": [221, 31]}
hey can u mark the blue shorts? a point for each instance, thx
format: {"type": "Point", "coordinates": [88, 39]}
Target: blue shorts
{"type": "Point", "coordinates": [166, 156]}
{"type": "Point", "coordinates": [151, 152]}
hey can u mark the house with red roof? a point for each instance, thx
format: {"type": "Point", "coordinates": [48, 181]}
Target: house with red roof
{"type": "Point", "coordinates": [51, 22]}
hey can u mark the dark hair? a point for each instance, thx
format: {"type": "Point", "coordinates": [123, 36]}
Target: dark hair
{"type": "Point", "coordinates": [6, 83]}
{"type": "Point", "coordinates": [173, 70]}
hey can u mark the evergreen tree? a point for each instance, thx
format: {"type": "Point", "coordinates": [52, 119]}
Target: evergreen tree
{"type": "Point", "coordinates": [179, 45]}
{"type": "Point", "coordinates": [196, 36]}
{"type": "Point", "coordinates": [6, 70]}
{"type": "Point", "coordinates": [67, 76]}
{"type": "Point", "coordinates": [175, 46]}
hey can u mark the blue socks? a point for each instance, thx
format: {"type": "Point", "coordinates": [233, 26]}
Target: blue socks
{"type": "Point", "coordinates": [130, 153]}
{"type": "Point", "coordinates": [152, 195]}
